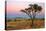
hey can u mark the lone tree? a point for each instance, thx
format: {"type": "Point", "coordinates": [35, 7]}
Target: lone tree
{"type": "Point", "coordinates": [32, 11]}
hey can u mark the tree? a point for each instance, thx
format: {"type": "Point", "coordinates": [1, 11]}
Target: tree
{"type": "Point", "coordinates": [32, 11]}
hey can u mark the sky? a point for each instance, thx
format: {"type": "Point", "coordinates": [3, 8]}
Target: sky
{"type": "Point", "coordinates": [14, 7]}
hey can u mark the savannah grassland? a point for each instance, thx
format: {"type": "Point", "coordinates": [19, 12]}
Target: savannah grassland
{"type": "Point", "coordinates": [25, 24]}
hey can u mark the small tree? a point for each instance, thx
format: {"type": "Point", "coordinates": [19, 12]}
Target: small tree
{"type": "Point", "coordinates": [32, 10]}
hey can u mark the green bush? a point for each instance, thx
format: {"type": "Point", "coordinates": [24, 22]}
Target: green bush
{"type": "Point", "coordinates": [9, 20]}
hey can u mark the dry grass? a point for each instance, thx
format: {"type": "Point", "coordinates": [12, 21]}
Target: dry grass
{"type": "Point", "coordinates": [25, 24]}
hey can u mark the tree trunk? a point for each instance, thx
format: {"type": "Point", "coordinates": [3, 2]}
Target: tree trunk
{"type": "Point", "coordinates": [33, 21]}
{"type": "Point", "coordinates": [34, 14]}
